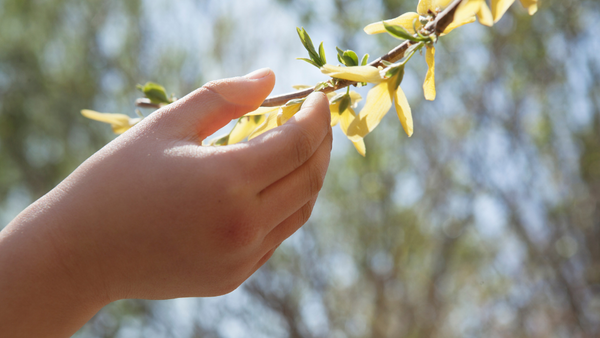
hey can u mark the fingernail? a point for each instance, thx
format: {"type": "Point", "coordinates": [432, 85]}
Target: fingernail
{"type": "Point", "coordinates": [258, 74]}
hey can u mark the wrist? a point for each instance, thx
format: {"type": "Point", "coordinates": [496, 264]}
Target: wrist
{"type": "Point", "coordinates": [46, 289]}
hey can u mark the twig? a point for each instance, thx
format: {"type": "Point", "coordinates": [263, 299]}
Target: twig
{"type": "Point", "coordinates": [145, 103]}
{"type": "Point", "coordinates": [438, 26]}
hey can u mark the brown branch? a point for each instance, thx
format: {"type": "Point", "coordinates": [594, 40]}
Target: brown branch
{"type": "Point", "coordinates": [437, 26]}
{"type": "Point", "coordinates": [145, 103]}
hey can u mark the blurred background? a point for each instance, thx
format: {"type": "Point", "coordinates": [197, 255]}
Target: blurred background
{"type": "Point", "coordinates": [485, 223]}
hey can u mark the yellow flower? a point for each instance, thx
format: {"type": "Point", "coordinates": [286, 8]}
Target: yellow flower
{"type": "Point", "coordinates": [405, 20]}
{"type": "Point", "coordinates": [275, 116]}
{"type": "Point", "coordinates": [379, 102]}
{"type": "Point", "coordinates": [345, 118]}
{"type": "Point", "coordinates": [244, 127]}
{"type": "Point", "coordinates": [499, 7]}
{"type": "Point", "coordinates": [429, 83]}
{"type": "Point", "coordinates": [120, 123]}
{"type": "Point", "coordinates": [359, 73]}
{"type": "Point", "coordinates": [466, 13]}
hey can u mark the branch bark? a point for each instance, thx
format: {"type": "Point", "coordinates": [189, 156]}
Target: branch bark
{"type": "Point", "coordinates": [436, 26]}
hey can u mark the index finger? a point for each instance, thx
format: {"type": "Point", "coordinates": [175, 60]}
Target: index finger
{"type": "Point", "coordinates": [278, 152]}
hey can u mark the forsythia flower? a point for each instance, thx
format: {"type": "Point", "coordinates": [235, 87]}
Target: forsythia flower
{"type": "Point", "coordinates": [275, 116]}
{"type": "Point", "coordinates": [120, 123]}
{"type": "Point", "coordinates": [379, 102]}
{"type": "Point", "coordinates": [345, 118]}
{"type": "Point", "coordinates": [358, 73]}
{"type": "Point", "coordinates": [243, 128]}
{"type": "Point", "coordinates": [499, 7]}
{"type": "Point", "coordinates": [465, 13]}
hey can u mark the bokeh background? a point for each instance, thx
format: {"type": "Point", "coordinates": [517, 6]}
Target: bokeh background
{"type": "Point", "coordinates": [485, 223]}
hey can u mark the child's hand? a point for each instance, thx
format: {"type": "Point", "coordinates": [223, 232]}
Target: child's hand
{"type": "Point", "coordinates": [156, 215]}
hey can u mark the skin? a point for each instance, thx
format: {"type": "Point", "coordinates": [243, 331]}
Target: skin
{"type": "Point", "coordinates": [155, 215]}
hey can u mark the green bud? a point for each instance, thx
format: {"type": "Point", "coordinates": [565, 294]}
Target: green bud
{"type": "Point", "coordinates": [155, 92]}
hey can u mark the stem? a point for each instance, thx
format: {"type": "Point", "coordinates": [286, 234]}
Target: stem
{"type": "Point", "coordinates": [437, 26]}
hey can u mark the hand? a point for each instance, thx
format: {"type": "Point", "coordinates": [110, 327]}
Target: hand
{"type": "Point", "coordinates": [156, 215]}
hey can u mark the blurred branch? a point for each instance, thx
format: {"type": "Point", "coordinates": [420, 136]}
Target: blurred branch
{"type": "Point", "coordinates": [437, 26]}
{"type": "Point", "coordinates": [145, 103]}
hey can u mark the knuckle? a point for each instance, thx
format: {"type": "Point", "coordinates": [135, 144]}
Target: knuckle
{"type": "Point", "coordinates": [315, 180]}
{"type": "Point", "coordinates": [302, 145]}
{"type": "Point", "coordinates": [305, 213]}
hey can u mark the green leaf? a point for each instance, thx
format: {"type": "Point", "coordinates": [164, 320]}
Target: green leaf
{"type": "Point", "coordinates": [348, 58]}
{"type": "Point", "coordinates": [322, 53]}
{"type": "Point", "coordinates": [399, 76]}
{"type": "Point", "coordinates": [308, 44]}
{"type": "Point", "coordinates": [364, 60]}
{"type": "Point", "coordinates": [399, 32]}
{"type": "Point", "coordinates": [352, 55]}
{"type": "Point", "coordinates": [344, 103]}
{"type": "Point", "coordinates": [309, 61]}
{"type": "Point", "coordinates": [155, 92]}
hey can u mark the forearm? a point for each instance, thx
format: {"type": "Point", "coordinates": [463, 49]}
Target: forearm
{"type": "Point", "coordinates": [40, 293]}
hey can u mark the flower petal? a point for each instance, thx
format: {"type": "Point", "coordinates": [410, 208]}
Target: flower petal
{"type": "Point", "coordinates": [404, 112]}
{"type": "Point", "coordinates": [485, 15]}
{"type": "Point", "coordinates": [346, 119]}
{"type": "Point", "coordinates": [531, 5]}
{"type": "Point", "coordinates": [405, 20]}
{"type": "Point", "coordinates": [334, 109]}
{"type": "Point", "coordinates": [244, 127]}
{"type": "Point", "coordinates": [360, 147]}
{"type": "Point", "coordinates": [120, 123]}
{"type": "Point", "coordinates": [268, 124]}
{"type": "Point", "coordinates": [335, 118]}
{"type": "Point", "coordinates": [456, 24]}
{"type": "Point", "coordinates": [424, 6]}
{"type": "Point", "coordinates": [116, 119]}
{"type": "Point", "coordinates": [358, 73]}
{"type": "Point", "coordinates": [287, 112]}
{"type": "Point", "coordinates": [262, 111]}
{"type": "Point", "coordinates": [499, 7]}
{"type": "Point", "coordinates": [466, 10]}
{"type": "Point", "coordinates": [355, 98]}
{"type": "Point", "coordinates": [429, 84]}
{"type": "Point", "coordinates": [440, 5]}
{"type": "Point", "coordinates": [379, 102]}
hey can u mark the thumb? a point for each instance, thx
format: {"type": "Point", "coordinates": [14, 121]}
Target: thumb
{"type": "Point", "coordinates": [209, 108]}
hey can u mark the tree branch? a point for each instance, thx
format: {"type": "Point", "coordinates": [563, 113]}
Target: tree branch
{"type": "Point", "coordinates": [437, 26]}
